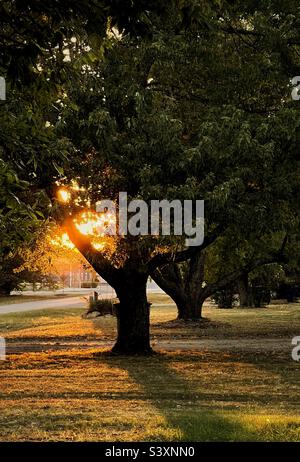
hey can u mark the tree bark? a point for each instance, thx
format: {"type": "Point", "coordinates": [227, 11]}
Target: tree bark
{"type": "Point", "coordinates": [184, 286]}
{"type": "Point", "coordinates": [5, 291]}
{"type": "Point", "coordinates": [133, 317]}
{"type": "Point", "coordinates": [130, 284]}
{"type": "Point", "coordinates": [244, 290]}
{"type": "Point", "coordinates": [190, 309]}
{"type": "Point", "coordinates": [170, 281]}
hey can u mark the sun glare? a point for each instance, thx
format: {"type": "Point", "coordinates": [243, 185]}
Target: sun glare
{"type": "Point", "coordinates": [94, 224]}
{"type": "Point", "coordinates": [63, 195]}
{"type": "Point", "coordinates": [98, 245]}
{"type": "Point", "coordinates": [97, 227]}
{"type": "Point", "coordinates": [63, 240]}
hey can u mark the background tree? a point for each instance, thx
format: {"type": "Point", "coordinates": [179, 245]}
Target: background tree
{"type": "Point", "coordinates": [247, 178]}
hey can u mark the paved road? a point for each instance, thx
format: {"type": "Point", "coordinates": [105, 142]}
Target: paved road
{"type": "Point", "coordinates": [68, 302]}
{"type": "Point", "coordinates": [65, 302]}
{"type": "Point", "coordinates": [60, 302]}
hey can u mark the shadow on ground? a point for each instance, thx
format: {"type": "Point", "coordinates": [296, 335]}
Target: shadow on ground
{"type": "Point", "coordinates": [179, 401]}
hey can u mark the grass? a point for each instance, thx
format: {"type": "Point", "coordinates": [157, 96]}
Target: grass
{"type": "Point", "coordinates": [215, 393]}
{"type": "Point", "coordinates": [14, 322]}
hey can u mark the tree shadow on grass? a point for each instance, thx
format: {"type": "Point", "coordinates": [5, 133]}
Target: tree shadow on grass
{"type": "Point", "coordinates": [281, 366]}
{"type": "Point", "coordinates": [178, 401]}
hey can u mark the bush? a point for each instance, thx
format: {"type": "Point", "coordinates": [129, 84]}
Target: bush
{"type": "Point", "coordinates": [101, 307]}
{"type": "Point", "coordinates": [261, 296]}
{"type": "Point", "coordinates": [225, 298]}
{"type": "Point", "coordinates": [289, 290]}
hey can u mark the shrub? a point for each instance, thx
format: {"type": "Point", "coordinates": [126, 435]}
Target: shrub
{"type": "Point", "coordinates": [225, 298]}
{"type": "Point", "coordinates": [100, 307]}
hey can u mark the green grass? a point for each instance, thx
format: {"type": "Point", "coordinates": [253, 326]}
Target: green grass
{"type": "Point", "coordinates": [82, 393]}
{"type": "Point", "coordinates": [23, 298]}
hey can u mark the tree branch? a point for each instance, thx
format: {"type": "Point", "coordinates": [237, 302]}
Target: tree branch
{"type": "Point", "coordinates": [277, 257]}
{"type": "Point", "coordinates": [99, 262]}
{"type": "Point", "coordinates": [183, 255]}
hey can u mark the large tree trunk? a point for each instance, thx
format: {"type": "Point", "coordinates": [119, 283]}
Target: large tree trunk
{"type": "Point", "coordinates": [5, 291]}
{"type": "Point", "coordinates": [130, 284]}
{"type": "Point", "coordinates": [190, 308]}
{"type": "Point", "coordinates": [184, 285]}
{"type": "Point", "coordinates": [245, 292]}
{"type": "Point", "coordinates": [133, 315]}
{"type": "Point", "coordinates": [7, 281]}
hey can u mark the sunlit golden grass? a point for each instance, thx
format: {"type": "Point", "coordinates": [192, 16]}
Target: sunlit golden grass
{"type": "Point", "coordinates": [272, 321]}
{"type": "Point", "coordinates": [68, 327]}
{"type": "Point", "coordinates": [159, 298]}
{"type": "Point", "coordinates": [80, 394]}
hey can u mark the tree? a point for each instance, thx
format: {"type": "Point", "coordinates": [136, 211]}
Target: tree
{"type": "Point", "coordinates": [18, 223]}
{"type": "Point", "coordinates": [33, 35]}
{"type": "Point", "coordinates": [129, 119]}
{"type": "Point", "coordinates": [254, 196]}
{"type": "Point", "coordinates": [259, 164]}
{"type": "Point", "coordinates": [39, 259]}
{"type": "Point", "coordinates": [164, 109]}
{"type": "Point", "coordinates": [35, 40]}
{"type": "Point", "coordinates": [13, 275]}
{"type": "Point", "coordinates": [189, 285]}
